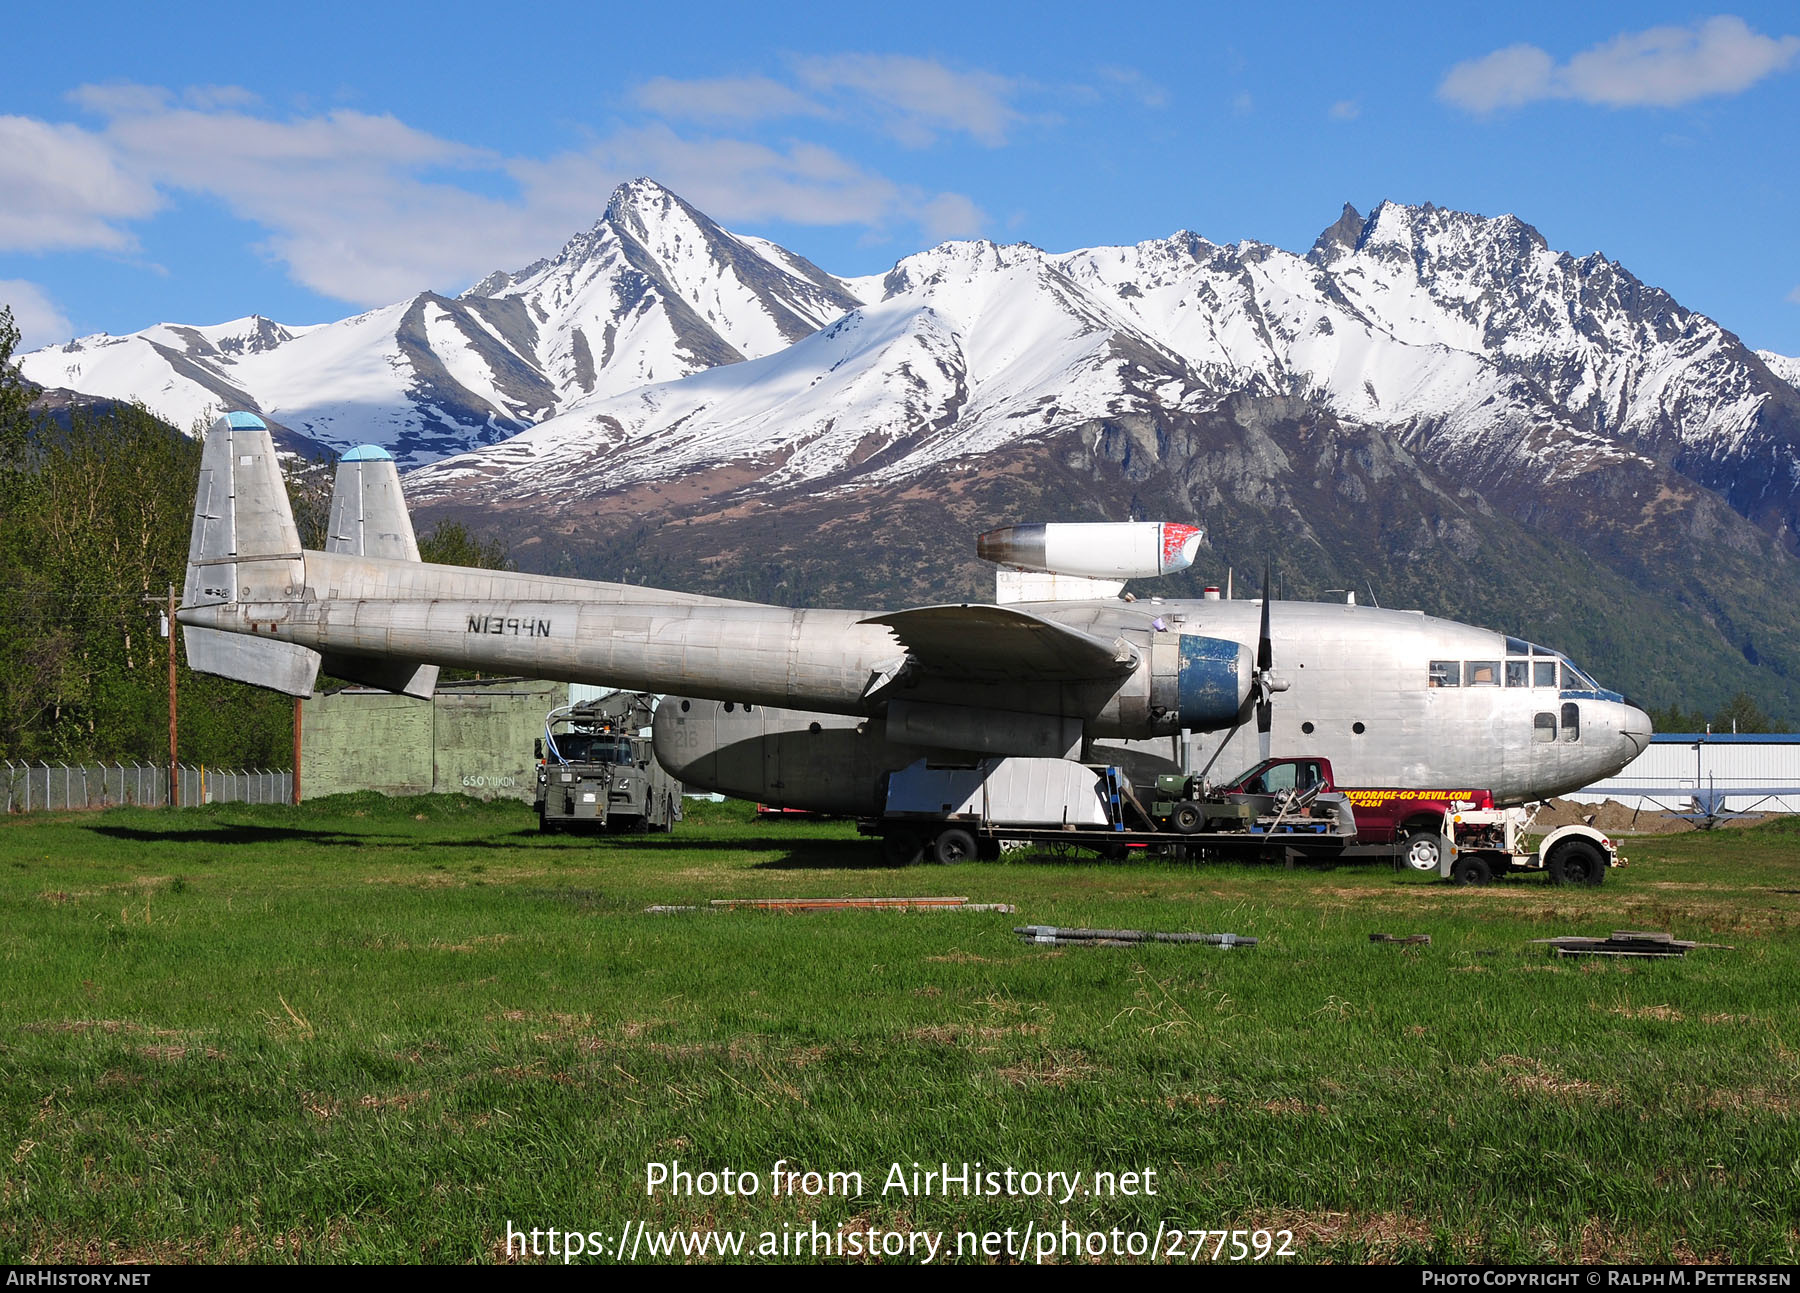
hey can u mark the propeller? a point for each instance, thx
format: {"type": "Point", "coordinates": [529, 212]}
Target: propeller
{"type": "Point", "coordinates": [1265, 681]}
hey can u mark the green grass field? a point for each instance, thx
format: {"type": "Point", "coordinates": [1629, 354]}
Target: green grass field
{"type": "Point", "coordinates": [372, 1030]}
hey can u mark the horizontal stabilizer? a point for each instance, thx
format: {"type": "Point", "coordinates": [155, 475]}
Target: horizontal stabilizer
{"type": "Point", "coordinates": [402, 677]}
{"type": "Point", "coordinates": [1001, 642]}
{"type": "Point", "coordinates": [262, 662]}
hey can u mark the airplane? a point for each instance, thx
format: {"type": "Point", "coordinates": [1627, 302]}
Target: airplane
{"type": "Point", "coordinates": [811, 708]}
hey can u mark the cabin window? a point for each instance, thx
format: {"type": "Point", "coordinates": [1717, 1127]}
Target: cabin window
{"type": "Point", "coordinates": [1483, 673]}
{"type": "Point", "coordinates": [1280, 777]}
{"type": "Point", "coordinates": [1518, 673]}
{"type": "Point", "coordinates": [1446, 673]}
{"type": "Point", "coordinates": [1543, 728]}
{"type": "Point", "coordinates": [1571, 722]}
{"type": "Point", "coordinates": [1543, 673]}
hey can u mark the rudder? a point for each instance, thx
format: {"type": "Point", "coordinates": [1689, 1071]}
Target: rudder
{"type": "Point", "coordinates": [245, 549]}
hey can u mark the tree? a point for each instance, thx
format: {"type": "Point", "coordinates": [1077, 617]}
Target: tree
{"type": "Point", "coordinates": [97, 521]}
{"type": "Point", "coordinates": [1742, 714]}
{"type": "Point", "coordinates": [451, 544]}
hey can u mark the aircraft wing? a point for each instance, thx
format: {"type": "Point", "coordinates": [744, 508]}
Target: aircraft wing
{"type": "Point", "coordinates": [995, 642]}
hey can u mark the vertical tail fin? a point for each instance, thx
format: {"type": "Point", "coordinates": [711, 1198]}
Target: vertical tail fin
{"type": "Point", "coordinates": [245, 550]}
{"type": "Point", "coordinates": [368, 511]}
{"type": "Point", "coordinates": [369, 519]}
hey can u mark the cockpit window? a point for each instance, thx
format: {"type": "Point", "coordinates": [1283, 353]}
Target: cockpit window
{"type": "Point", "coordinates": [1517, 646]}
{"type": "Point", "coordinates": [1446, 673]}
{"type": "Point", "coordinates": [1518, 673]}
{"type": "Point", "coordinates": [1483, 673]}
{"type": "Point", "coordinates": [1543, 673]}
{"type": "Point", "coordinates": [1575, 680]}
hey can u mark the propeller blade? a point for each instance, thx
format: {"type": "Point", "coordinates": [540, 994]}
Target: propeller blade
{"type": "Point", "coordinates": [1265, 649]}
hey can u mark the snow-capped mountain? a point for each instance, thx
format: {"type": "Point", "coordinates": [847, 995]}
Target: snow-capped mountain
{"type": "Point", "coordinates": [653, 291]}
{"type": "Point", "coordinates": [1486, 351]}
{"type": "Point", "coordinates": [657, 344]}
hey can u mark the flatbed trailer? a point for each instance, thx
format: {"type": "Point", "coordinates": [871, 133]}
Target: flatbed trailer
{"type": "Point", "coordinates": [954, 814]}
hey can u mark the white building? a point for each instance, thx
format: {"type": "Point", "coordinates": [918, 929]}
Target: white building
{"type": "Point", "coordinates": [1708, 772]}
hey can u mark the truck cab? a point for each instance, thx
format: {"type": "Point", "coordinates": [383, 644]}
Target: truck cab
{"type": "Point", "coordinates": [596, 773]}
{"type": "Point", "coordinates": [1413, 819]}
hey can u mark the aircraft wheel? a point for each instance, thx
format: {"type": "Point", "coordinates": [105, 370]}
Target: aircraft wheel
{"type": "Point", "coordinates": [953, 845]}
{"type": "Point", "coordinates": [1187, 818]}
{"type": "Point", "coordinates": [1576, 862]}
{"type": "Point", "coordinates": [1471, 868]}
{"type": "Point", "coordinates": [1423, 851]}
{"type": "Point", "coordinates": [902, 848]}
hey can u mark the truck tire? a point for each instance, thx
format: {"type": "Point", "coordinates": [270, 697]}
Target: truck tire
{"type": "Point", "coordinates": [1576, 862]}
{"type": "Point", "coordinates": [902, 848]}
{"type": "Point", "coordinates": [1471, 868]}
{"type": "Point", "coordinates": [1423, 851]}
{"type": "Point", "coordinates": [1187, 818]}
{"type": "Point", "coordinates": [953, 845]}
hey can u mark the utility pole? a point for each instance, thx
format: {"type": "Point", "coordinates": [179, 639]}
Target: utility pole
{"type": "Point", "coordinates": [297, 712]}
{"type": "Point", "coordinates": [169, 632]}
{"type": "Point", "coordinates": [174, 772]}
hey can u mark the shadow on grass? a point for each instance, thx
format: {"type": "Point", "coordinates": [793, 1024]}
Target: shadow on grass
{"type": "Point", "coordinates": [830, 855]}
{"type": "Point", "coordinates": [237, 833]}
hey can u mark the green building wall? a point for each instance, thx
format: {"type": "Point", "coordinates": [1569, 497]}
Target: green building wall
{"type": "Point", "coordinates": [473, 738]}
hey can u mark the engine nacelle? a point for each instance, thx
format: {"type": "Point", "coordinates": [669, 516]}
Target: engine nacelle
{"type": "Point", "coordinates": [825, 763]}
{"type": "Point", "coordinates": [1214, 681]}
{"type": "Point", "coordinates": [1094, 550]}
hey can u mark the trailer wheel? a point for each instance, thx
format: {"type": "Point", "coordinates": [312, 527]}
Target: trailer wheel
{"type": "Point", "coordinates": [1576, 862]}
{"type": "Point", "coordinates": [902, 848]}
{"type": "Point", "coordinates": [953, 845]}
{"type": "Point", "coordinates": [1423, 850]}
{"type": "Point", "coordinates": [1187, 818]}
{"type": "Point", "coordinates": [1471, 868]}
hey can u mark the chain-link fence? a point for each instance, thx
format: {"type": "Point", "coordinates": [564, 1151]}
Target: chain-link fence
{"type": "Point", "coordinates": [34, 787]}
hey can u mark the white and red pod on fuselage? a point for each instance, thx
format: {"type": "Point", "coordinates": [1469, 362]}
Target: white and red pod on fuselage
{"type": "Point", "coordinates": [1096, 550]}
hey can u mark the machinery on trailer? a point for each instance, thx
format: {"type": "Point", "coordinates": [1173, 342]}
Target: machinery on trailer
{"type": "Point", "coordinates": [595, 772]}
{"type": "Point", "coordinates": [954, 812]}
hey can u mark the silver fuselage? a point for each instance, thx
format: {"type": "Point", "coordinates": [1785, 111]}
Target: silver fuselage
{"type": "Point", "coordinates": [1358, 677]}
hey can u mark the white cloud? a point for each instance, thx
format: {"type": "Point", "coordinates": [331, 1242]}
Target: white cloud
{"type": "Point", "coordinates": [1346, 110]}
{"type": "Point", "coordinates": [740, 180]}
{"type": "Point", "coordinates": [951, 215]}
{"type": "Point", "coordinates": [39, 321]}
{"type": "Point", "coordinates": [65, 190]}
{"type": "Point", "coordinates": [917, 99]}
{"type": "Point", "coordinates": [339, 194]}
{"type": "Point", "coordinates": [1660, 67]}
{"type": "Point", "coordinates": [725, 99]}
{"type": "Point", "coordinates": [1794, 296]}
{"type": "Point", "coordinates": [1136, 84]}
{"type": "Point", "coordinates": [1242, 105]}
{"type": "Point", "coordinates": [369, 210]}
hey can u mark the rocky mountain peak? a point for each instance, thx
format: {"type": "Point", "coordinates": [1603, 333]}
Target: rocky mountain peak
{"type": "Point", "coordinates": [1340, 239]}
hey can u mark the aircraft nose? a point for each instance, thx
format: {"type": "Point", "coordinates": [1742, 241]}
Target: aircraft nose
{"type": "Point", "coordinates": [1635, 728]}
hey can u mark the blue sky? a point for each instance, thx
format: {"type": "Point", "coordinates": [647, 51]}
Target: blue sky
{"type": "Point", "coordinates": [209, 161]}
